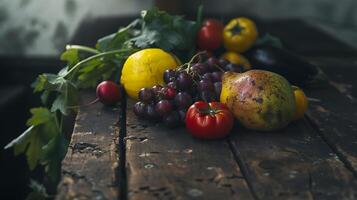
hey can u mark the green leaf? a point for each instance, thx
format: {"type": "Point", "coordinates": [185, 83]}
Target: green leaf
{"type": "Point", "coordinates": [120, 39]}
{"type": "Point", "coordinates": [63, 71]}
{"type": "Point", "coordinates": [39, 84]}
{"type": "Point", "coordinates": [103, 43]}
{"type": "Point", "coordinates": [91, 78]}
{"type": "Point", "coordinates": [66, 98]}
{"type": "Point", "coordinates": [39, 116]}
{"type": "Point", "coordinates": [43, 127]}
{"type": "Point", "coordinates": [155, 28]}
{"type": "Point", "coordinates": [165, 31]}
{"type": "Point", "coordinates": [71, 56]}
{"type": "Point", "coordinates": [51, 82]}
{"type": "Point", "coordinates": [147, 38]}
{"type": "Point", "coordinates": [44, 97]}
{"type": "Point", "coordinates": [53, 153]}
{"type": "Point", "coordinates": [33, 152]}
{"type": "Point", "coordinates": [66, 90]}
{"type": "Point", "coordinates": [38, 137]}
{"type": "Point", "coordinates": [60, 104]}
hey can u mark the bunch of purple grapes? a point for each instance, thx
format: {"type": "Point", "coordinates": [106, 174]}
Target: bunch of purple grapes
{"type": "Point", "coordinates": [185, 85]}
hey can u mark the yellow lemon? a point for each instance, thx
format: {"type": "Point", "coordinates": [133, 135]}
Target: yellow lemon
{"type": "Point", "coordinates": [301, 103]}
{"type": "Point", "coordinates": [145, 69]}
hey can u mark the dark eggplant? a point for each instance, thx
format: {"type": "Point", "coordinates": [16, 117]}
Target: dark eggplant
{"type": "Point", "coordinates": [294, 68]}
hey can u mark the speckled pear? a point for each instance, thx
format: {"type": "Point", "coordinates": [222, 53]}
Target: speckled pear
{"type": "Point", "coordinates": [260, 100]}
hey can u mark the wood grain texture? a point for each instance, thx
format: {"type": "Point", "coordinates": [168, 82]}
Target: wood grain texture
{"type": "Point", "coordinates": [89, 168]}
{"type": "Point", "coordinates": [164, 163]}
{"type": "Point", "coordinates": [294, 163]}
{"type": "Point", "coordinates": [334, 109]}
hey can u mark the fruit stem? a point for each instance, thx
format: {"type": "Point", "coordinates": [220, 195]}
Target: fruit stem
{"type": "Point", "coordinates": [82, 48]}
{"type": "Point", "coordinates": [95, 57]}
{"type": "Point", "coordinates": [219, 68]}
{"type": "Point", "coordinates": [209, 110]}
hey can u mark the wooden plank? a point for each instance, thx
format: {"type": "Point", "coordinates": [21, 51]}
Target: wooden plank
{"type": "Point", "coordinates": [165, 163]}
{"type": "Point", "coordinates": [292, 164]}
{"type": "Point", "coordinates": [90, 166]}
{"type": "Point", "coordinates": [334, 109]}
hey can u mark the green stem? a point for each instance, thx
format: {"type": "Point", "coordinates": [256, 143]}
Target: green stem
{"type": "Point", "coordinates": [199, 15]}
{"type": "Point", "coordinates": [192, 59]}
{"type": "Point", "coordinates": [83, 48]}
{"type": "Point", "coordinates": [75, 67]}
{"type": "Point", "coordinates": [61, 124]}
{"type": "Point", "coordinates": [58, 123]}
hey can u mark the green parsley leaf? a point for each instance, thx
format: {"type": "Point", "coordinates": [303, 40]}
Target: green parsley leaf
{"type": "Point", "coordinates": [71, 56]}
{"type": "Point", "coordinates": [66, 98]}
{"type": "Point", "coordinates": [43, 127]}
{"type": "Point", "coordinates": [53, 153]}
{"type": "Point", "coordinates": [39, 116]}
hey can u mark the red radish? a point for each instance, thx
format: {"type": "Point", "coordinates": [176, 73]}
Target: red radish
{"type": "Point", "coordinates": [108, 93]}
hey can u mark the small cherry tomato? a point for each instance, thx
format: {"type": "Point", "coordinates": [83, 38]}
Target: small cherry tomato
{"type": "Point", "coordinates": [210, 37]}
{"type": "Point", "coordinates": [301, 103]}
{"type": "Point", "coordinates": [209, 120]}
{"type": "Point", "coordinates": [108, 93]}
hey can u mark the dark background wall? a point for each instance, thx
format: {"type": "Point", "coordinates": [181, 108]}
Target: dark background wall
{"type": "Point", "coordinates": [43, 27]}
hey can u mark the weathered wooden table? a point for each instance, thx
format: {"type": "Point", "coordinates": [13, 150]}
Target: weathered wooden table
{"type": "Point", "coordinates": [114, 155]}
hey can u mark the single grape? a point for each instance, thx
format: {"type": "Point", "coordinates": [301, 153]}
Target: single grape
{"type": "Point", "coordinates": [208, 96]}
{"type": "Point", "coordinates": [172, 119]}
{"type": "Point", "coordinates": [163, 107]}
{"type": "Point", "coordinates": [184, 81]}
{"type": "Point", "coordinates": [234, 68]}
{"type": "Point", "coordinates": [217, 76]}
{"type": "Point", "coordinates": [140, 109]}
{"type": "Point", "coordinates": [199, 68]}
{"type": "Point", "coordinates": [205, 85]}
{"type": "Point", "coordinates": [223, 62]}
{"type": "Point", "coordinates": [204, 68]}
{"type": "Point", "coordinates": [151, 113]}
{"type": "Point", "coordinates": [212, 64]}
{"type": "Point", "coordinates": [169, 75]}
{"type": "Point", "coordinates": [183, 100]}
{"type": "Point", "coordinates": [146, 95]}
{"type": "Point", "coordinates": [207, 76]}
{"type": "Point", "coordinates": [218, 89]}
{"type": "Point", "coordinates": [168, 92]}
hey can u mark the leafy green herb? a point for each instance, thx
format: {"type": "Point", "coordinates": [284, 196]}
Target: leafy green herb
{"type": "Point", "coordinates": [43, 126]}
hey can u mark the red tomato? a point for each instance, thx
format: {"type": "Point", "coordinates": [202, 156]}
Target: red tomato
{"type": "Point", "coordinates": [209, 120]}
{"type": "Point", "coordinates": [209, 37]}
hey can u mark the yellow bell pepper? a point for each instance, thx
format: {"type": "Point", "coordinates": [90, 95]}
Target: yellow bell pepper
{"type": "Point", "coordinates": [239, 34]}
